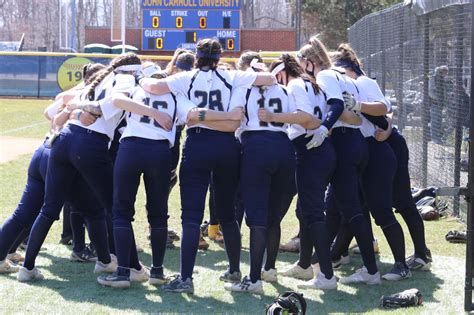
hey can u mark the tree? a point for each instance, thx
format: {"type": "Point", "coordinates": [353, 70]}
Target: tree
{"type": "Point", "coordinates": [336, 16]}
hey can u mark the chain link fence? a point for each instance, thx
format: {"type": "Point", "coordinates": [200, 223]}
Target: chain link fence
{"type": "Point", "coordinates": [421, 58]}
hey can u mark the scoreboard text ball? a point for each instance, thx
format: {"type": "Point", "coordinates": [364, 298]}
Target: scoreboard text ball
{"type": "Point", "coordinates": [172, 24]}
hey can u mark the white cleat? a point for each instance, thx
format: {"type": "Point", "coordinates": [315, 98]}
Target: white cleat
{"type": "Point", "coordinates": [269, 275]}
{"type": "Point", "coordinates": [109, 268]}
{"type": "Point", "coordinates": [297, 272]}
{"type": "Point", "coordinates": [141, 275]}
{"type": "Point", "coordinates": [320, 282]}
{"type": "Point", "coordinates": [362, 276]}
{"type": "Point", "coordinates": [25, 275]}
{"type": "Point", "coordinates": [6, 266]}
{"type": "Point", "coordinates": [245, 286]}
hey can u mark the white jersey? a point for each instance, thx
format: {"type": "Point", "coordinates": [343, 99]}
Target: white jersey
{"type": "Point", "coordinates": [370, 92]}
{"type": "Point", "coordinates": [305, 98]}
{"type": "Point", "coordinates": [334, 84]}
{"type": "Point", "coordinates": [177, 107]}
{"type": "Point", "coordinates": [274, 98]}
{"type": "Point", "coordinates": [210, 88]}
{"type": "Point", "coordinates": [111, 115]}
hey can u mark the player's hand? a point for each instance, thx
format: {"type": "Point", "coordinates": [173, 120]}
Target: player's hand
{"type": "Point", "coordinates": [382, 135]}
{"type": "Point", "coordinates": [264, 115]}
{"type": "Point", "coordinates": [163, 119]}
{"type": "Point", "coordinates": [318, 137]}
{"type": "Point", "coordinates": [237, 114]}
{"type": "Point", "coordinates": [86, 118]}
{"type": "Point", "coordinates": [350, 102]}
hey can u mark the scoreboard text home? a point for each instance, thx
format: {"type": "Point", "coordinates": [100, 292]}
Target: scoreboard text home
{"type": "Point", "coordinates": [169, 24]}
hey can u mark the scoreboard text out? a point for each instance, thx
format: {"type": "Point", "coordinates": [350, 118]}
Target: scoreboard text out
{"type": "Point", "coordinates": [169, 24]}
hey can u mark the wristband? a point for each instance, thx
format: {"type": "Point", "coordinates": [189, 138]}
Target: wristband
{"type": "Point", "coordinates": [202, 115]}
{"type": "Point", "coordinates": [67, 110]}
{"type": "Point", "coordinates": [79, 115]}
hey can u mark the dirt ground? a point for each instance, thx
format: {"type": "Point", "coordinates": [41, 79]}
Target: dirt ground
{"type": "Point", "coordinates": [12, 147]}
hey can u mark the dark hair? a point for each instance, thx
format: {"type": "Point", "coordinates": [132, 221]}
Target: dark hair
{"type": "Point", "coordinates": [187, 59]}
{"type": "Point", "coordinates": [122, 60]}
{"type": "Point", "coordinates": [160, 75]}
{"type": "Point", "coordinates": [170, 65]}
{"type": "Point", "coordinates": [346, 53]}
{"type": "Point", "coordinates": [90, 71]}
{"type": "Point", "coordinates": [246, 58]}
{"type": "Point", "coordinates": [292, 68]}
{"type": "Point", "coordinates": [208, 53]}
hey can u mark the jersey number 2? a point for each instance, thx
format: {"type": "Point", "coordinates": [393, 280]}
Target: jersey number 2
{"type": "Point", "coordinates": [213, 100]}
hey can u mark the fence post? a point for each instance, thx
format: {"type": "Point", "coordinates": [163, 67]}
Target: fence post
{"type": "Point", "coordinates": [399, 88]}
{"type": "Point", "coordinates": [458, 98]}
{"type": "Point", "coordinates": [470, 193]}
{"type": "Point", "coordinates": [383, 81]}
{"type": "Point", "coordinates": [426, 99]}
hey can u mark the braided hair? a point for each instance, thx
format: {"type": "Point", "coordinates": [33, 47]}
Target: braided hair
{"type": "Point", "coordinates": [122, 60]}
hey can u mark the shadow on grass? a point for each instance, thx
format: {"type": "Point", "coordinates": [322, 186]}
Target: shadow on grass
{"type": "Point", "coordinates": [75, 282]}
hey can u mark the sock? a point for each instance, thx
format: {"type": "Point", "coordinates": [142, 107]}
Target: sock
{"type": "Point", "coordinates": [110, 233]}
{"type": "Point", "coordinates": [342, 242]}
{"type": "Point", "coordinates": [158, 237]}
{"type": "Point", "coordinates": [333, 224]}
{"type": "Point", "coordinates": [306, 246]}
{"type": "Point", "coordinates": [9, 232]}
{"type": "Point", "coordinates": [233, 244]}
{"type": "Point", "coordinates": [394, 235]}
{"type": "Point", "coordinates": [38, 234]}
{"type": "Point", "coordinates": [273, 244]}
{"type": "Point", "coordinates": [359, 227]}
{"type": "Point", "coordinates": [21, 236]}
{"type": "Point", "coordinates": [78, 232]}
{"type": "Point", "coordinates": [258, 242]}
{"type": "Point", "coordinates": [319, 235]}
{"type": "Point", "coordinates": [123, 238]}
{"type": "Point", "coordinates": [98, 234]}
{"type": "Point", "coordinates": [417, 232]}
{"type": "Point", "coordinates": [134, 261]}
{"type": "Point", "coordinates": [189, 247]}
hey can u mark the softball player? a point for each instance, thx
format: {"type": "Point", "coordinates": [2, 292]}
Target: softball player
{"type": "Point", "coordinates": [377, 189]}
{"type": "Point", "coordinates": [314, 167]}
{"type": "Point", "coordinates": [16, 227]}
{"type": "Point", "coordinates": [352, 154]}
{"type": "Point", "coordinates": [210, 148]}
{"type": "Point", "coordinates": [144, 150]}
{"type": "Point", "coordinates": [264, 180]}
{"type": "Point", "coordinates": [401, 196]}
{"type": "Point", "coordinates": [83, 150]}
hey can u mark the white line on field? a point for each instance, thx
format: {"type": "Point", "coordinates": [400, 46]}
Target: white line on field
{"type": "Point", "coordinates": [24, 127]}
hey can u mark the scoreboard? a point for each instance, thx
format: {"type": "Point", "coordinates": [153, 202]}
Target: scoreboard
{"type": "Point", "coordinates": [171, 24]}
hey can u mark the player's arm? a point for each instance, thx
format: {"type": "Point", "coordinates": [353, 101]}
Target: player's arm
{"type": "Point", "coordinates": [200, 115]}
{"type": "Point", "coordinates": [299, 117]}
{"type": "Point", "coordinates": [350, 118]}
{"type": "Point", "coordinates": [265, 79]}
{"type": "Point", "coordinates": [155, 86]}
{"type": "Point", "coordinates": [127, 104]}
{"type": "Point", "coordinates": [222, 125]}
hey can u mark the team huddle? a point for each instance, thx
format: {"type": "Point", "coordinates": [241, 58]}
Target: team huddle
{"type": "Point", "coordinates": [312, 126]}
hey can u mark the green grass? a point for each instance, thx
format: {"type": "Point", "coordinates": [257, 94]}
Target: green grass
{"type": "Point", "coordinates": [71, 287]}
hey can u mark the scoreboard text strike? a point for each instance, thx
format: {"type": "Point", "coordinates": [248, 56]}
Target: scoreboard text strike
{"type": "Point", "coordinates": [171, 24]}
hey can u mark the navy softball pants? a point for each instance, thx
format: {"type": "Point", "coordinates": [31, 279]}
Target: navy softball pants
{"type": "Point", "coordinates": [76, 151]}
{"type": "Point", "coordinates": [352, 154]}
{"type": "Point", "coordinates": [267, 173]}
{"type": "Point", "coordinates": [402, 197]}
{"type": "Point", "coordinates": [152, 159]}
{"type": "Point", "coordinates": [314, 170]}
{"type": "Point", "coordinates": [207, 152]}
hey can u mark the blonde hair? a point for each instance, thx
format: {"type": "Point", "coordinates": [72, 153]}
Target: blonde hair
{"type": "Point", "coordinates": [316, 52]}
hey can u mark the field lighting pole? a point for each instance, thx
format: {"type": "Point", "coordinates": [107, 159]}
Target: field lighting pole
{"type": "Point", "coordinates": [470, 191]}
{"type": "Point", "coordinates": [123, 26]}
